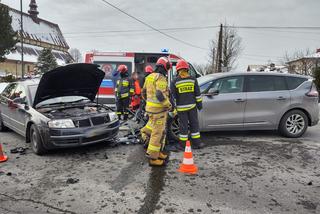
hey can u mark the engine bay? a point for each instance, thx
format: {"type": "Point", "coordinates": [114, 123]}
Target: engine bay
{"type": "Point", "coordinates": [74, 111]}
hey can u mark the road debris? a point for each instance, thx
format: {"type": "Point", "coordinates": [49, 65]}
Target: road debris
{"type": "Point", "coordinates": [72, 180]}
{"type": "Point", "coordinates": [20, 150]}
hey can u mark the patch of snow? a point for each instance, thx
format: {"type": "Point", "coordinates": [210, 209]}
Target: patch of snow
{"type": "Point", "coordinates": [33, 53]}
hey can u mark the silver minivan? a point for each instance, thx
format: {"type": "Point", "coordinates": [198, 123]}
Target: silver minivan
{"type": "Point", "coordinates": [256, 101]}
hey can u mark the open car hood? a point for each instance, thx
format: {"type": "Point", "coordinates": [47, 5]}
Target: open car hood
{"type": "Point", "coordinates": [71, 80]}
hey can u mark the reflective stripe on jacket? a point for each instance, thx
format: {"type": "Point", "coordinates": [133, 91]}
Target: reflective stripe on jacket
{"type": "Point", "coordinates": [186, 92]}
{"type": "Point", "coordinates": [154, 82]}
{"type": "Point", "coordinates": [124, 88]}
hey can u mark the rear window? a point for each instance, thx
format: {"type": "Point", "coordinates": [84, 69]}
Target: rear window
{"type": "Point", "coordinates": [294, 82]}
{"type": "Point", "coordinates": [260, 83]}
{"type": "Point", "coordinates": [110, 68]}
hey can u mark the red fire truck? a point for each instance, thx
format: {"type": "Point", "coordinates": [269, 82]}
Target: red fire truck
{"type": "Point", "coordinates": [109, 61]}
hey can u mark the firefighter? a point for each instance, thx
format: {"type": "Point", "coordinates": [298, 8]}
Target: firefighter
{"type": "Point", "coordinates": [186, 93]}
{"type": "Point", "coordinates": [135, 100]}
{"type": "Point", "coordinates": [124, 90]}
{"type": "Point", "coordinates": [147, 70]}
{"type": "Point", "coordinates": [156, 94]}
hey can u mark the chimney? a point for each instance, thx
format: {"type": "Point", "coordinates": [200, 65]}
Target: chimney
{"type": "Point", "coordinates": [33, 10]}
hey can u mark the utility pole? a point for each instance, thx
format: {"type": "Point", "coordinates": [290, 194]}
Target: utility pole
{"type": "Point", "coordinates": [21, 40]}
{"type": "Point", "coordinates": [219, 50]}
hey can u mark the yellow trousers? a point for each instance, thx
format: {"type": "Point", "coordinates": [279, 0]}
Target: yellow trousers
{"type": "Point", "coordinates": [155, 130]}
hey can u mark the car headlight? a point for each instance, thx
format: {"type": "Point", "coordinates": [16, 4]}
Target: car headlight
{"type": "Point", "coordinates": [113, 116]}
{"type": "Point", "coordinates": [64, 123]}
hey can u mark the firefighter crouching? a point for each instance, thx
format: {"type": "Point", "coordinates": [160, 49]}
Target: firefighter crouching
{"type": "Point", "coordinates": [186, 92]}
{"type": "Point", "coordinates": [123, 91]}
{"type": "Point", "coordinates": [156, 93]}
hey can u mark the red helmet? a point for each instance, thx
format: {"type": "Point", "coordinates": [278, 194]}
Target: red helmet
{"type": "Point", "coordinates": [122, 69]}
{"type": "Point", "coordinates": [148, 69]}
{"type": "Point", "coordinates": [182, 64]}
{"type": "Point", "coordinates": [164, 61]}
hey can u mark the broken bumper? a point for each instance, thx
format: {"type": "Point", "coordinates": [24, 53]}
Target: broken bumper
{"type": "Point", "coordinates": [74, 137]}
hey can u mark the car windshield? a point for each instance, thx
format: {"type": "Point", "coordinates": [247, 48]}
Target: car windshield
{"type": "Point", "coordinates": [52, 101]}
{"type": "Point", "coordinates": [3, 86]}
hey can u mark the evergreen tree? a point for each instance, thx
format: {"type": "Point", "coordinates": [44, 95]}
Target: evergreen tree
{"type": "Point", "coordinates": [46, 61]}
{"type": "Point", "coordinates": [7, 35]}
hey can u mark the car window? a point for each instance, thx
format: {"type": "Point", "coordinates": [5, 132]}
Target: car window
{"type": "Point", "coordinates": [19, 92]}
{"type": "Point", "coordinates": [192, 71]}
{"type": "Point", "coordinates": [32, 91]}
{"type": "Point", "coordinates": [3, 86]}
{"type": "Point", "coordinates": [205, 86]}
{"type": "Point", "coordinates": [110, 68]}
{"type": "Point", "coordinates": [279, 83]}
{"type": "Point", "coordinates": [9, 90]}
{"type": "Point", "coordinates": [261, 83]}
{"type": "Point", "coordinates": [228, 85]}
{"type": "Point", "coordinates": [294, 82]}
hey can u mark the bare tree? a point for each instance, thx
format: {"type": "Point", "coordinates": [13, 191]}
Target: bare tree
{"type": "Point", "coordinates": [231, 49]}
{"type": "Point", "coordinates": [212, 56]}
{"type": "Point", "coordinates": [204, 69]}
{"type": "Point", "coordinates": [76, 54]}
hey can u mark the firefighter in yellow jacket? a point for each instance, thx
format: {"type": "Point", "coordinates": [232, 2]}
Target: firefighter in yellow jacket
{"type": "Point", "coordinates": [156, 93]}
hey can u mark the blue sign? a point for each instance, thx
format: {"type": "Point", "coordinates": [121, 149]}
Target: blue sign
{"type": "Point", "coordinates": [164, 50]}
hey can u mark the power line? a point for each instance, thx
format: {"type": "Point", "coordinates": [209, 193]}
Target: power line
{"type": "Point", "coordinates": [151, 27]}
{"type": "Point", "coordinates": [147, 30]}
{"type": "Point", "coordinates": [276, 27]}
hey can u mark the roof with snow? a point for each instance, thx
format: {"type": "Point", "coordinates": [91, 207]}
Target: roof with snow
{"type": "Point", "coordinates": [37, 34]}
{"type": "Point", "coordinates": [38, 29]}
{"type": "Point", "coordinates": [31, 54]}
{"type": "Point", "coordinates": [311, 57]}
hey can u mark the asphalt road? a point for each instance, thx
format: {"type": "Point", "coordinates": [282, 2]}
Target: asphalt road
{"type": "Point", "coordinates": [242, 172]}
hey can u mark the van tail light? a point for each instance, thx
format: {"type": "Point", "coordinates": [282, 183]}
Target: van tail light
{"type": "Point", "coordinates": [313, 92]}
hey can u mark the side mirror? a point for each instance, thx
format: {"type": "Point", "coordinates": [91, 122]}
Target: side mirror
{"type": "Point", "coordinates": [198, 75]}
{"type": "Point", "coordinates": [18, 100]}
{"type": "Point", "coordinates": [212, 93]}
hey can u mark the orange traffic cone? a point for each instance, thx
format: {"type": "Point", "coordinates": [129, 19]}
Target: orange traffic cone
{"type": "Point", "coordinates": [188, 165]}
{"type": "Point", "coordinates": [3, 157]}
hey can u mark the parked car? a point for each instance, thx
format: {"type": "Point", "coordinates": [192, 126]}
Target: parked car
{"type": "Point", "coordinates": [256, 101]}
{"type": "Point", "coordinates": [58, 111]}
{"type": "Point", "coordinates": [3, 85]}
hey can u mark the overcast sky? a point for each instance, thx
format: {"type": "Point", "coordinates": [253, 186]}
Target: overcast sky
{"type": "Point", "coordinates": [85, 22]}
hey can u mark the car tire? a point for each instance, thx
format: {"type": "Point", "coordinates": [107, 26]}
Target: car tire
{"type": "Point", "coordinates": [35, 141]}
{"type": "Point", "coordinates": [2, 126]}
{"type": "Point", "coordinates": [173, 128]}
{"type": "Point", "coordinates": [293, 124]}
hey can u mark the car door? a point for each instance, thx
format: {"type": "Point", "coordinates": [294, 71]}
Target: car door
{"type": "Point", "coordinates": [18, 112]}
{"type": "Point", "coordinates": [5, 109]}
{"type": "Point", "coordinates": [267, 98]}
{"type": "Point", "coordinates": [223, 104]}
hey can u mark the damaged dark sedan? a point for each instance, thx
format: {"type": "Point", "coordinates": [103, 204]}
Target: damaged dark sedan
{"type": "Point", "coordinates": [58, 110]}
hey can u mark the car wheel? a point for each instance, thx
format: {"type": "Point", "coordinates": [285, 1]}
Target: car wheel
{"type": "Point", "coordinates": [293, 124]}
{"type": "Point", "coordinates": [2, 126]}
{"type": "Point", "coordinates": [35, 141]}
{"type": "Point", "coordinates": [173, 128]}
